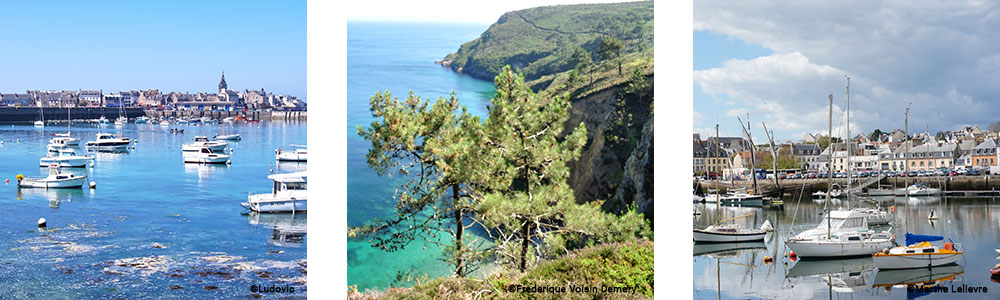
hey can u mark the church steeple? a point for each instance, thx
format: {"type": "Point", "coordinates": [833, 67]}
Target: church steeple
{"type": "Point", "coordinates": [222, 83]}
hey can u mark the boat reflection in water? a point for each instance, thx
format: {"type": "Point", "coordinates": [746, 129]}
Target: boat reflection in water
{"type": "Point", "coordinates": [727, 250]}
{"type": "Point", "coordinates": [54, 196]}
{"type": "Point", "coordinates": [289, 166]}
{"type": "Point", "coordinates": [287, 230]}
{"type": "Point", "coordinates": [926, 279]}
{"type": "Point", "coordinates": [841, 275]}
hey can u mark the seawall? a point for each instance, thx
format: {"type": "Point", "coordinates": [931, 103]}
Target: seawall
{"type": "Point", "coordinates": [259, 115]}
{"type": "Point", "coordinates": [31, 114]}
{"type": "Point", "coordinates": [795, 186]}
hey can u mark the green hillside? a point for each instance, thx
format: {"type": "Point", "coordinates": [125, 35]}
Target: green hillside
{"type": "Point", "coordinates": [539, 42]}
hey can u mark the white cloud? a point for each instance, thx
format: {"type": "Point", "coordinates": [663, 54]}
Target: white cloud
{"type": "Point", "coordinates": [941, 57]}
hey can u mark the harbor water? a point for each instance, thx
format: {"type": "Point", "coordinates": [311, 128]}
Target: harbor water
{"type": "Point", "coordinates": [737, 271]}
{"type": "Point", "coordinates": [154, 227]}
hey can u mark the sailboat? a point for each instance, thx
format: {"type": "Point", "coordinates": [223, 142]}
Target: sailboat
{"type": "Point", "coordinates": [725, 233]}
{"type": "Point", "coordinates": [846, 232]}
{"type": "Point", "coordinates": [41, 115]}
{"type": "Point", "coordinates": [874, 216]}
{"type": "Point", "coordinates": [63, 141]}
{"type": "Point", "coordinates": [121, 120]}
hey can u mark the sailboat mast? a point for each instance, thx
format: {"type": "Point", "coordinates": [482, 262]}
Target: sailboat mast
{"type": "Point", "coordinates": [850, 140]}
{"type": "Point", "coordinates": [774, 156]}
{"type": "Point", "coordinates": [718, 201]}
{"type": "Point", "coordinates": [906, 160]}
{"type": "Point", "coordinates": [829, 179]}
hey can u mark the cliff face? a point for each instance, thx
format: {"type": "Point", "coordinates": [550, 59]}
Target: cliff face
{"type": "Point", "coordinates": [602, 166]}
{"type": "Point", "coordinates": [636, 187]}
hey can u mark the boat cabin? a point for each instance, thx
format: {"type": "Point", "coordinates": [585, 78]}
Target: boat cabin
{"type": "Point", "coordinates": [201, 139]}
{"type": "Point", "coordinates": [288, 182]}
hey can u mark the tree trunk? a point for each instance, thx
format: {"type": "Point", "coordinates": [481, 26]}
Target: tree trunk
{"type": "Point", "coordinates": [524, 246]}
{"type": "Point", "coordinates": [459, 229]}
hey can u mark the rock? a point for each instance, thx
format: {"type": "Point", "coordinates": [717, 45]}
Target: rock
{"type": "Point", "coordinates": [176, 287]}
{"type": "Point", "coordinates": [637, 181]}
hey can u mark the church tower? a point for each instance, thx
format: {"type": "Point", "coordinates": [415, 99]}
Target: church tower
{"type": "Point", "coordinates": [222, 83]}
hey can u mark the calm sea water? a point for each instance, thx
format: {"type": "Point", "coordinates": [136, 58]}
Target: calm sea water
{"type": "Point", "coordinates": [737, 271]}
{"type": "Point", "coordinates": [398, 57]}
{"type": "Point", "coordinates": [154, 227]}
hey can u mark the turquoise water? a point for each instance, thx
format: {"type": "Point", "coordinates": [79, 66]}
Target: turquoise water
{"type": "Point", "coordinates": [154, 227]}
{"type": "Point", "coordinates": [398, 57]}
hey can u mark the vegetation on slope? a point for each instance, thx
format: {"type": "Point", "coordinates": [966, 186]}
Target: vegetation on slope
{"type": "Point", "coordinates": [541, 41]}
{"type": "Point", "coordinates": [625, 268]}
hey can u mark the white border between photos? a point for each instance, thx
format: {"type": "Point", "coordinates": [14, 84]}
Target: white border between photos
{"type": "Point", "coordinates": [673, 113]}
{"type": "Point", "coordinates": [327, 88]}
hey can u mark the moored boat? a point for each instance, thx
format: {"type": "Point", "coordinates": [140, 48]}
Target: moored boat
{"type": "Point", "coordinates": [107, 141]}
{"type": "Point", "coordinates": [65, 158]}
{"type": "Point", "coordinates": [203, 142]}
{"type": "Point", "coordinates": [205, 156]}
{"type": "Point", "coordinates": [56, 179]}
{"type": "Point", "coordinates": [288, 194]}
{"type": "Point", "coordinates": [299, 154]}
{"type": "Point", "coordinates": [728, 233]}
{"type": "Point", "coordinates": [919, 253]}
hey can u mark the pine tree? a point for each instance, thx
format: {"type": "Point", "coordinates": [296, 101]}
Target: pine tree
{"type": "Point", "coordinates": [528, 196]}
{"type": "Point", "coordinates": [438, 149]}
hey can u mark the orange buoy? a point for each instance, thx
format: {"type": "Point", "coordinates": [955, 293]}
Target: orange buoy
{"type": "Point", "coordinates": [892, 209]}
{"type": "Point", "coordinates": [768, 259]}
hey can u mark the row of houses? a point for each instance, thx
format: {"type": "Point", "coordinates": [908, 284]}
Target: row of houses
{"type": "Point", "coordinates": [967, 148]}
{"type": "Point", "coordinates": [225, 99]}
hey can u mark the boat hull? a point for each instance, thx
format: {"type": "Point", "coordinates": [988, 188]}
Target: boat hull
{"type": "Point", "coordinates": [195, 147]}
{"type": "Point", "coordinates": [41, 183]}
{"type": "Point", "coordinates": [823, 249]}
{"type": "Point", "coordinates": [212, 159]}
{"type": "Point", "coordinates": [915, 260]}
{"type": "Point", "coordinates": [701, 236]}
{"type": "Point", "coordinates": [258, 203]}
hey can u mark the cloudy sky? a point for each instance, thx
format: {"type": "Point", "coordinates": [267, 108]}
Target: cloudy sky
{"type": "Point", "coordinates": [778, 63]}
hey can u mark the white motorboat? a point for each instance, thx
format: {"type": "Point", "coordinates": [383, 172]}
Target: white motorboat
{"type": "Point", "coordinates": [228, 137]}
{"type": "Point", "coordinates": [39, 123]}
{"type": "Point", "coordinates": [66, 158]}
{"type": "Point", "coordinates": [203, 142]}
{"type": "Point", "coordinates": [299, 154]}
{"type": "Point", "coordinates": [103, 120]}
{"type": "Point", "coordinates": [919, 253]}
{"type": "Point", "coordinates": [922, 190]}
{"type": "Point", "coordinates": [208, 120]}
{"type": "Point", "coordinates": [743, 199]}
{"type": "Point", "coordinates": [120, 121]}
{"type": "Point", "coordinates": [205, 156]}
{"type": "Point", "coordinates": [728, 233]}
{"type": "Point", "coordinates": [56, 179]}
{"type": "Point", "coordinates": [61, 142]}
{"type": "Point", "coordinates": [141, 119]}
{"type": "Point", "coordinates": [165, 123]}
{"type": "Point", "coordinates": [107, 141]}
{"type": "Point", "coordinates": [288, 194]}
{"type": "Point", "coordinates": [228, 119]}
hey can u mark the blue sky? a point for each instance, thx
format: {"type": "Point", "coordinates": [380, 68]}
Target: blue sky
{"type": "Point", "coordinates": [778, 63]}
{"type": "Point", "coordinates": [168, 45]}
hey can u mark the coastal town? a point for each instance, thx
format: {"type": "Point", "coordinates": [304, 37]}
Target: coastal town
{"type": "Point", "coordinates": [225, 99]}
{"type": "Point", "coordinates": [967, 151]}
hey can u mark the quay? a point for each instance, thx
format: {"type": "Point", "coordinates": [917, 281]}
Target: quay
{"type": "Point", "coordinates": [967, 186]}
{"type": "Point", "coordinates": [31, 114]}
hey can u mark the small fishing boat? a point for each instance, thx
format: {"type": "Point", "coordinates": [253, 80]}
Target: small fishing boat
{"type": "Point", "coordinates": [56, 179]}
{"type": "Point", "coordinates": [206, 156]}
{"type": "Point", "coordinates": [203, 142]}
{"type": "Point", "coordinates": [288, 194]}
{"type": "Point", "coordinates": [39, 123]}
{"type": "Point", "coordinates": [299, 154]}
{"type": "Point", "coordinates": [66, 158]}
{"type": "Point", "coordinates": [919, 253]}
{"type": "Point", "coordinates": [228, 137]}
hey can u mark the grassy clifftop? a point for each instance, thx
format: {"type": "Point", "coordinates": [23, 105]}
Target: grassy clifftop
{"type": "Point", "coordinates": [540, 41]}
